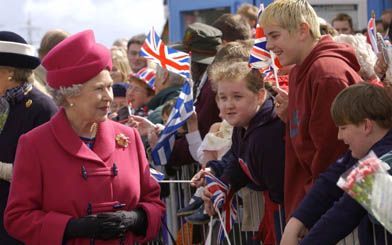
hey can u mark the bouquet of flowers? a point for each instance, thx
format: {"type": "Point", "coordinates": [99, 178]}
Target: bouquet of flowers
{"type": "Point", "coordinates": [369, 183]}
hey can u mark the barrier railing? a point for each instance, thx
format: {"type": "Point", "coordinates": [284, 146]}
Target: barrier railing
{"type": "Point", "coordinates": [176, 231]}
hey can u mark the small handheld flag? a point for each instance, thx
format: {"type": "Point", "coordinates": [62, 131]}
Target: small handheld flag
{"type": "Point", "coordinates": [178, 62]}
{"type": "Point", "coordinates": [372, 33]}
{"type": "Point", "coordinates": [154, 49]}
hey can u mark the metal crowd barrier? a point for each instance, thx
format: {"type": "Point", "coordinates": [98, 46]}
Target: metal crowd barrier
{"type": "Point", "coordinates": [175, 228]}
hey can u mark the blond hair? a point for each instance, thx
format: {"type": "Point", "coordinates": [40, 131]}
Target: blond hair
{"type": "Point", "coordinates": [120, 61]}
{"type": "Point", "coordinates": [236, 71]}
{"type": "Point", "coordinates": [289, 14]}
{"type": "Point", "coordinates": [172, 78]}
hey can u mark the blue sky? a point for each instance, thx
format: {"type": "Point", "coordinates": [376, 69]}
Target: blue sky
{"type": "Point", "coordinates": [110, 19]}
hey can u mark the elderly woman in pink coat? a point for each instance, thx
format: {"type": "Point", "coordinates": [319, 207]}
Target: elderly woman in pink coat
{"type": "Point", "coordinates": [81, 178]}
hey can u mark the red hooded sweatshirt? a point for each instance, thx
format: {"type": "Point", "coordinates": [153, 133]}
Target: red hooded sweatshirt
{"type": "Point", "coordinates": [311, 139]}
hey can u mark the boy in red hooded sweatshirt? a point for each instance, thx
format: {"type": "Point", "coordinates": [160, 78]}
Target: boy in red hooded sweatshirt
{"type": "Point", "coordinates": [322, 69]}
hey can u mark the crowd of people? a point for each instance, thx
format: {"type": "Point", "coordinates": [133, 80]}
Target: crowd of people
{"type": "Point", "coordinates": [79, 121]}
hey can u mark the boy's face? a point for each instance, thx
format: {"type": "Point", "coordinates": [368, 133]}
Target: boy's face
{"type": "Point", "coordinates": [356, 137]}
{"type": "Point", "coordinates": [237, 104]}
{"type": "Point", "coordinates": [135, 60]}
{"type": "Point", "coordinates": [283, 44]}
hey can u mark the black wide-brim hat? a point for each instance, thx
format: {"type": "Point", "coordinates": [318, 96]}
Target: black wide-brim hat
{"type": "Point", "coordinates": [15, 52]}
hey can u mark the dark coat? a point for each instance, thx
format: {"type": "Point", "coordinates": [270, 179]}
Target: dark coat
{"type": "Point", "coordinates": [331, 214]}
{"type": "Point", "coordinates": [22, 117]}
{"type": "Point", "coordinates": [257, 154]}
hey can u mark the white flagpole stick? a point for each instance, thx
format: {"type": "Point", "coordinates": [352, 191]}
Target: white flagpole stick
{"type": "Point", "coordinates": [175, 181]}
{"type": "Point", "coordinates": [223, 226]}
{"type": "Point", "coordinates": [275, 69]}
{"type": "Point", "coordinates": [210, 226]}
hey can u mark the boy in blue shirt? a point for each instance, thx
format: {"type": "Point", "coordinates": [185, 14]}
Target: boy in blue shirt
{"type": "Point", "coordinates": [363, 114]}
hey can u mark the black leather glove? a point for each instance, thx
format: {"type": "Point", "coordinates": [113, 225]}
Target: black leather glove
{"type": "Point", "coordinates": [91, 226]}
{"type": "Point", "coordinates": [134, 221]}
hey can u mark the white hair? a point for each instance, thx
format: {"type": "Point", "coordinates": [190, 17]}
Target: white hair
{"type": "Point", "coordinates": [59, 95]}
{"type": "Point", "coordinates": [172, 78]}
{"type": "Point", "coordinates": [363, 51]}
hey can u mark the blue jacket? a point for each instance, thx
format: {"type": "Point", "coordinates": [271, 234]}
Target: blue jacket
{"type": "Point", "coordinates": [331, 214]}
{"type": "Point", "coordinates": [23, 117]}
{"type": "Point", "coordinates": [261, 149]}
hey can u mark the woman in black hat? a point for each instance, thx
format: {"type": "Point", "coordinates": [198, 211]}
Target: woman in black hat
{"type": "Point", "coordinates": [22, 108]}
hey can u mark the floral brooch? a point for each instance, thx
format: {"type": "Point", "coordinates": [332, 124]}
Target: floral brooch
{"type": "Point", "coordinates": [122, 140]}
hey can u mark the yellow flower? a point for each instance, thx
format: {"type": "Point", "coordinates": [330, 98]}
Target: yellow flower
{"type": "Point", "coordinates": [122, 140]}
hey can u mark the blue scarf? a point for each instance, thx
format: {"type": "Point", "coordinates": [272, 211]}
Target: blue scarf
{"type": "Point", "coordinates": [11, 97]}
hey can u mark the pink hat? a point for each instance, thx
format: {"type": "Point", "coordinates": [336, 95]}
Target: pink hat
{"type": "Point", "coordinates": [76, 60]}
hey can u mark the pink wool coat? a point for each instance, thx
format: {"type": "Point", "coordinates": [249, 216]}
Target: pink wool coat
{"type": "Point", "coordinates": [57, 177]}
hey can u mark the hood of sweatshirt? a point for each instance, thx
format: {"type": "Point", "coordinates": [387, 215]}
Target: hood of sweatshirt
{"type": "Point", "coordinates": [327, 47]}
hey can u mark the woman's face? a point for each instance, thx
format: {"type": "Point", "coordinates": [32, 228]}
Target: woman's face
{"type": "Point", "coordinates": [93, 103]}
{"type": "Point", "coordinates": [5, 82]}
{"type": "Point", "coordinates": [137, 95]}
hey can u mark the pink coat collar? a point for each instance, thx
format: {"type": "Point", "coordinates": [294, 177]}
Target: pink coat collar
{"type": "Point", "coordinates": [104, 144]}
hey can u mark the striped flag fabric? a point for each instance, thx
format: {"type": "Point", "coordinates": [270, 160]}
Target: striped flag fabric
{"type": "Point", "coordinates": [271, 73]}
{"type": "Point", "coordinates": [155, 50]}
{"type": "Point", "coordinates": [222, 197]}
{"type": "Point", "coordinates": [155, 174]}
{"type": "Point", "coordinates": [218, 189]}
{"type": "Point", "coordinates": [182, 110]}
{"type": "Point", "coordinates": [260, 57]}
{"type": "Point", "coordinates": [147, 75]}
{"type": "Point", "coordinates": [372, 33]}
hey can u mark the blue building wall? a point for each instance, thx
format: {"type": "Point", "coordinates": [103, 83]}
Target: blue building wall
{"type": "Point", "coordinates": [176, 28]}
{"type": "Point", "coordinates": [378, 6]}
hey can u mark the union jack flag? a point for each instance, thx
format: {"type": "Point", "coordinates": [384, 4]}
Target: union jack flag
{"type": "Point", "coordinates": [271, 72]}
{"type": "Point", "coordinates": [178, 62]}
{"type": "Point", "coordinates": [222, 197]}
{"type": "Point", "coordinates": [218, 189]}
{"type": "Point", "coordinates": [260, 57]}
{"type": "Point", "coordinates": [171, 59]}
{"type": "Point", "coordinates": [372, 33]}
{"type": "Point", "coordinates": [147, 75]}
